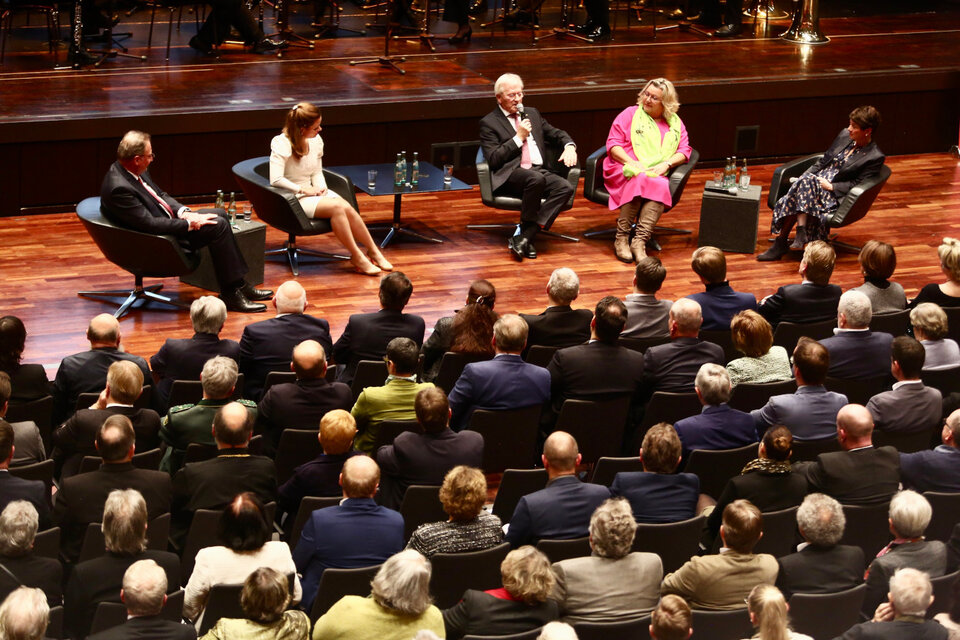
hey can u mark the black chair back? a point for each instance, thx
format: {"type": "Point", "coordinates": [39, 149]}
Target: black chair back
{"type": "Point", "coordinates": [388, 430]}
{"type": "Point", "coordinates": [946, 514]}
{"type": "Point", "coordinates": [953, 322]}
{"type": "Point", "coordinates": [39, 411]}
{"type": "Point", "coordinates": [779, 533]}
{"type": "Point", "coordinates": [625, 629]}
{"type": "Point", "coordinates": [856, 203]}
{"type": "Point", "coordinates": [906, 442]}
{"type": "Point", "coordinates": [509, 437]}
{"type": "Point", "coordinates": [942, 593]}
{"type": "Point", "coordinates": [46, 544]}
{"type": "Point", "coordinates": [370, 373]}
{"type": "Point", "coordinates": [665, 406]}
{"type": "Point", "coordinates": [223, 601]}
{"type": "Point", "coordinates": [946, 380]}
{"type": "Point", "coordinates": [642, 344]}
{"type": "Point", "coordinates": [55, 622]}
{"type": "Point", "coordinates": [94, 545]}
{"type": "Point", "coordinates": [787, 334]}
{"type": "Point", "coordinates": [42, 471]}
{"type": "Point", "coordinates": [826, 615]}
{"type": "Point", "coordinates": [596, 425]}
{"type": "Point", "coordinates": [336, 583]}
{"type": "Point", "coordinates": [675, 542]}
{"type": "Point", "coordinates": [896, 323]}
{"type": "Point", "coordinates": [454, 573]}
{"type": "Point", "coordinates": [715, 468]}
{"type": "Point", "coordinates": [809, 449]}
{"type": "Point", "coordinates": [749, 396]}
{"type": "Point", "coordinates": [540, 354]}
{"type": "Point", "coordinates": [557, 550]}
{"type": "Point", "coordinates": [113, 614]}
{"type": "Point", "coordinates": [308, 505]}
{"type": "Point", "coordinates": [858, 391]}
{"type": "Point", "coordinates": [146, 460]}
{"type": "Point", "coordinates": [296, 447]}
{"type": "Point", "coordinates": [421, 504]}
{"type": "Point", "coordinates": [867, 527]}
{"type": "Point", "coordinates": [607, 469]}
{"type": "Point", "coordinates": [724, 625]}
{"type": "Point", "coordinates": [532, 634]}
{"type": "Point", "coordinates": [143, 401]}
{"type": "Point", "coordinates": [280, 377]}
{"type": "Point", "coordinates": [451, 366]}
{"type": "Point", "coordinates": [722, 338]}
{"type": "Point", "coordinates": [515, 484]}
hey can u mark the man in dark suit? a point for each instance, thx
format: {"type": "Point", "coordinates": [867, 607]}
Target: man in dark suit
{"type": "Point", "coordinates": [18, 529]}
{"type": "Point", "coordinates": [183, 359]}
{"type": "Point", "coordinates": [26, 436]}
{"type": "Point", "coordinates": [80, 499]}
{"type": "Point", "coordinates": [366, 335]}
{"type": "Point", "coordinates": [144, 592]}
{"type": "Point", "coordinates": [855, 351]}
{"type": "Point", "coordinates": [425, 458]}
{"type": "Point", "coordinates": [86, 372]}
{"type": "Point", "coordinates": [910, 407]}
{"type": "Point", "coordinates": [813, 300]}
{"type": "Point", "coordinates": [860, 474]}
{"type": "Point", "coordinates": [503, 383]}
{"type": "Point", "coordinates": [130, 197]}
{"type": "Point", "coordinates": [559, 325]}
{"type": "Point", "coordinates": [902, 616]}
{"type": "Point", "coordinates": [562, 510]}
{"type": "Point", "coordinates": [822, 566]}
{"type": "Point", "coordinates": [357, 533]}
{"type": "Point", "coordinates": [14, 488]}
{"type": "Point", "coordinates": [514, 143]}
{"type": "Point", "coordinates": [719, 302]}
{"type": "Point", "coordinates": [674, 366]}
{"type": "Point", "coordinates": [718, 426]}
{"type": "Point", "coordinates": [267, 345]}
{"type": "Point", "coordinates": [937, 469]}
{"type": "Point", "coordinates": [76, 437]}
{"type": "Point", "coordinates": [302, 404]}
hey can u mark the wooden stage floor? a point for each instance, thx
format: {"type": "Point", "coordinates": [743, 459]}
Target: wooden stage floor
{"type": "Point", "coordinates": [46, 259]}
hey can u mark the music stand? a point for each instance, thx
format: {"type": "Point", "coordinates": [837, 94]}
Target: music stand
{"type": "Point", "coordinates": [282, 9]}
{"type": "Point", "coordinates": [386, 60]}
{"type": "Point", "coordinates": [564, 30]}
{"type": "Point", "coordinates": [96, 57]}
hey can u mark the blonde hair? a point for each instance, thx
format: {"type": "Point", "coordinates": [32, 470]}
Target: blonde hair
{"type": "Point", "coordinates": [820, 259]}
{"type": "Point", "coordinates": [949, 252]}
{"type": "Point", "coordinates": [931, 319]}
{"type": "Point", "coordinates": [669, 98]}
{"type": "Point", "coordinates": [302, 115]}
{"type": "Point", "coordinates": [463, 493]}
{"type": "Point", "coordinates": [337, 430]}
{"type": "Point", "coordinates": [527, 575]}
{"type": "Point", "coordinates": [126, 381]}
{"type": "Point", "coordinates": [769, 607]}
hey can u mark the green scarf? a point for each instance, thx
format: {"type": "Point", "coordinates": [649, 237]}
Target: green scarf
{"type": "Point", "coordinates": [646, 142]}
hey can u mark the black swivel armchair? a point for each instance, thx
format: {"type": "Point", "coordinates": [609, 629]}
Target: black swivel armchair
{"type": "Point", "coordinates": [280, 208]}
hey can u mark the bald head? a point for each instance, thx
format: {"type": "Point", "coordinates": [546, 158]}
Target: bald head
{"type": "Point", "coordinates": [103, 331]}
{"type": "Point", "coordinates": [290, 297]}
{"type": "Point", "coordinates": [560, 454]}
{"type": "Point", "coordinates": [360, 477]}
{"type": "Point", "coordinates": [685, 318]}
{"type": "Point", "coordinates": [855, 426]}
{"type": "Point", "coordinates": [232, 426]}
{"type": "Point", "coordinates": [309, 360]}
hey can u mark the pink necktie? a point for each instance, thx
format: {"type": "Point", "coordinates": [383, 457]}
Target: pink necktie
{"type": "Point", "coordinates": [525, 161]}
{"type": "Point", "coordinates": [163, 204]}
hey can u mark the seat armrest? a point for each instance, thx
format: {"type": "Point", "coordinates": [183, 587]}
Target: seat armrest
{"type": "Point", "coordinates": [787, 174]}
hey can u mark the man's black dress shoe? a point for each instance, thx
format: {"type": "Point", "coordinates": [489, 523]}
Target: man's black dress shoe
{"type": "Point", "coordinates": [236, 301]}
{"type": "Point", "coordinates": [250, 292]}
{"type": "Point", "coordinates": [586, 28]}
{"type": "Point", "coordinates": [516, 245]}
{"type": "Point", "coordinates": [267, 45]}
{"type": "Point", "coordinates": [199, 45]}
{"type": "Point", "coordinates": [600, 33]}
{"type": "Point", "coordinates": [529, 251]}
{"type": "Point", "coordinates": [728, 31]}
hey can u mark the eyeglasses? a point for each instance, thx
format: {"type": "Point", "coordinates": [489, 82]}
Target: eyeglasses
{"type": "Point", "coordinates": [653, 98]}
{"type": "Point", "coordinates": [148, 156]}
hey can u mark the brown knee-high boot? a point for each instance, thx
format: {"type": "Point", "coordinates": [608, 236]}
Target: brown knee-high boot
{"type": "Point", "coordinates": [625, 218]}
{"type": "Point", "coordinates": [650, 212]}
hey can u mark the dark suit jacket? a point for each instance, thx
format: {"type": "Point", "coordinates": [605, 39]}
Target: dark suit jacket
{"type": "Point", "coordinates": [905, 629]}
{"type": "Point", "coordinates": [821, 569]}
{"type": "Point", "coordinates": [505, 382]}
{"type": "Point", "coordinates": [719, 303]}
{"type": "Point", "coordinates": [183, 359]}
{"type": "Point", "coordinates": [300, 405]}
{"type": "Point", "coordinates": [594, 371]}
{"type": "Point", "coordinates": [859, 354]}
{"type": "Point", "coordinates": [806, 302]}
{"type": "Point", "coordinates": [484, 614]}
{"type": "Point", "coordinates": [560, 511]}
{"type": "Point", "coordinates": [319, 477]}
{"type": "Point", "coordinates": [716, 427]}
{"type": "Point", "coordinates": [28, 382]}
{"type": "Point", "coordinates": [929, 556]}
{"type": "Point", "coordinates": [500, 150]}
{"type": "Point", "coordinates": [673, 366]}
{"type": "Point", "coordinates": [558, 326]}
{"type": "Point", "coordinates": [81, 497]}
{"type": "Point", "coordinates": [267, 346]}
{"type": "Point", "coordinates": [424, 458]}
{"type": "Point", "coordinates": [33, 571]}
{"type": "Point", "coordinates": [366, 336]}
{"type": "Point", "coordinates": [33, 491]}
{"type": "Point", "coordinates": [861, 477]}
{"type": "Point", "coordinates": [932, 470]}
{"type": "Point", "coordinates": [909, 408]}
{"type": "Point", "coordinates": [658, 497]}
{"type": "Point", "coordinates": [125, 201]}
{"type": "Point", "coordinates": [864, 165]}
{"type": "Point", "coordinates": [148, 628]}
{"type": "Point", "coordinates": [86, 372]}
{"type": "Point", "coordinates": [77, 436]}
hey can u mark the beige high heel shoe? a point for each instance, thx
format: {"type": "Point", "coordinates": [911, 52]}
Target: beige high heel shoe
{"type": "Point", "coordinates": [364, 266]}
{"type": "Point", "coordinates": [379, 260]}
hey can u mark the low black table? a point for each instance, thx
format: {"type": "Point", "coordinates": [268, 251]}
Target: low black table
{"type": "Point", "coordinates": [431, 180]}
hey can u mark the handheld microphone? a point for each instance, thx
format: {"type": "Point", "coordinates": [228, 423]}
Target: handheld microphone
{"type": "Point", "coordinates": [521, 112]}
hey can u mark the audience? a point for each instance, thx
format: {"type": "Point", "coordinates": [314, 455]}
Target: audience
{"type": "Point", "coordinates": [910, 407]}
{"type": "Point", "coordinates": [648, 317]}
{"type": "Point", "coordinates": [425, 458]}
{"type": "Point", "coordinates": [723, 581]}
{"type": "Point", "coordinates": [470, 528]}
{"type": "Point", "coordinates": [367, 334]}
{"type": "Point", "coordinates": [470, 331]}
{"type": "Point", "coordinates": [657, 494]}
{"type": "Point", "coordinates": [18, 528]}
{"type": "Point", "coordinates": [28, 381]}
{"type": "Point", "coordinates": [243, 532]}
{"type": "Point", "coordinates": [811, 412]}
{"type": "Point", "coordinates": [26, 435]}
{"type": "Point", "coordinates": [395, 399]}
{"type": "Point", "coordinates": [14, 488]}
{"type": "Point", "coordinates": [878, 260]}
{"type": "Point", "coordinates": [357, 533]}
{"type": "Point", "coordinates": [523, 603]}
{"type": "Point", "coordinates": [562, 510]}
{"type": "Point", "coordinates": [671, 620]}
{"type": "Point", "coordinates": [763, 361]}
{"type": "Point", "coordinates": [183, 359]}
{"type": "Point", "coordinates": [937, 469]}
{"type": "Point", "coordinates": [267, 345]}
{"type": "Point", "coordinates": [822, 565]}
{"type": "Point", "coordinates": [946, 294]}
{"type": "Point", "coordinates": [398, 608]}
{"type": "Point", "coordinates": [264, 600]}
{"type": "Point", "coordinates": [814, 299]}
{"type": "Point", "coordinates": [930, 326]}
{"type": "Point", "coordinates": [559, 325]}
{"type": "Point", "coordinates": [901, 617]}
{"type": "Point", "coordinates": [614, 583]}
{"type": "Point", "coordinates": [768, 614]}
{"type": "Point", "coordinates": [24, 615]}
{"type": "Point", "coordinates": [719, 303]}
{"type": "Point", "coordinates": [673, 366]}
{"type": "Point", "coordinates": [718, 426]}
{"type": "Point", "coordinates": [503, 383]}
{"type": "Point", "coordinates": [855, 351]}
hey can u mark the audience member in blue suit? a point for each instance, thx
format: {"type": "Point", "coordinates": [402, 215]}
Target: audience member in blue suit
{"type": "Point", "coordinates": [855, 351]}
{"type": "Point", "coordinates": [719, 303]}
{"type": "Point", "coordinates": [937, 469]}
{"type": "Point", "coordinates": [718, 426]}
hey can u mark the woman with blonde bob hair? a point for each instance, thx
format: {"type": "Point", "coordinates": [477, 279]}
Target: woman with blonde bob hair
{"type": "Point", "coordinates": [946, 294]}
{"type": "Point", "coordinates": [646, 141]}
{"type": "Point", "coordinates": [763, 361]}
{"type": "Point", "coordinates": [768, 614]}
{"type": "Point", "coordinates": [296, 165]}
{"type": "Point", "coordinates": [522, 604]}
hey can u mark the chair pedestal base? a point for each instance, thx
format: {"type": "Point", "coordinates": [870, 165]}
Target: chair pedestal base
{"type": "Point", "coordinates": [139, 292]}
{"type": "Point", "coordinates": [293, 254]}
{"type": "Point", "coordinates": [513, 226]}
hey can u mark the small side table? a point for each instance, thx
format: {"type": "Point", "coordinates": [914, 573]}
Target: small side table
{"type": "Point", "coordinates": [729, 222]}
{"type": "Point", "coordinates": [251, 238]}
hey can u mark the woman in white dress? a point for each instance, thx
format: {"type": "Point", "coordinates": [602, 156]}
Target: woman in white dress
{"type": "Point", "coordinates": [295, 164]}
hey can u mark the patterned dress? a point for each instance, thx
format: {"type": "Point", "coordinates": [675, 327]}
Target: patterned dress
{"type": "Point", "coordinates": [483, 532]}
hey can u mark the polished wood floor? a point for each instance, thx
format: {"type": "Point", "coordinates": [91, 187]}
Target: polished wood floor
{"type": "Point", "coordinates": [46, 259]}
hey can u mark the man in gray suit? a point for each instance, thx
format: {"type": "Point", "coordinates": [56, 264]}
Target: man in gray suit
{"type": "Point", "coordinates": [811, 412]}
{"type": "Point", "coordinates": [27, 442]}
{"type": "Point", "coordinates": [911, 406]}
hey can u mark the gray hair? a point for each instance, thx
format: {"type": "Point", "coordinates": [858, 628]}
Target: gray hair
{"type": "Point", "coordinates": [219, 376]}
{"type": "Point", "coordinates": [133, 144]}
{"type": "Point", "coordinates": [910, 514]}
{"type": "Point", "coordinates": [144, 586]}
{"type": "Point", "coordinates": [713, 381]}
{"type": "Point", "coordinates": [208, 313]}
{"type": "Point", "coordinates": [403, 583]}
{"type": "Point", "coordinates": [931, 319]}
{"type": "Point", "coordinates": [506, 78]}
{"type": "Point", "coordinates": [856, 308]}
{"type": "Point", "coordinates": [18, 528]}
{"type": "Point", "coordinates": [612, 528]}
{"type": "Point", "coordinates": [125, 522]}
{"type": "Point", "coordinates": [687, 314]}
{"type": "Point", "coordinates": [821, 520]}
{"type": "Point", "coordinates": [911, 592]}
{"type": "Point", "coordinates": [564, 285]}
{"type": "Point", "coordinates": [557, 631]}
{"type": "Point", "coordinates": [24, 615]}
{"type": "Point", "coordinates": [291, 297]}
{"type": "Point", "coordinates": [510, 332]}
